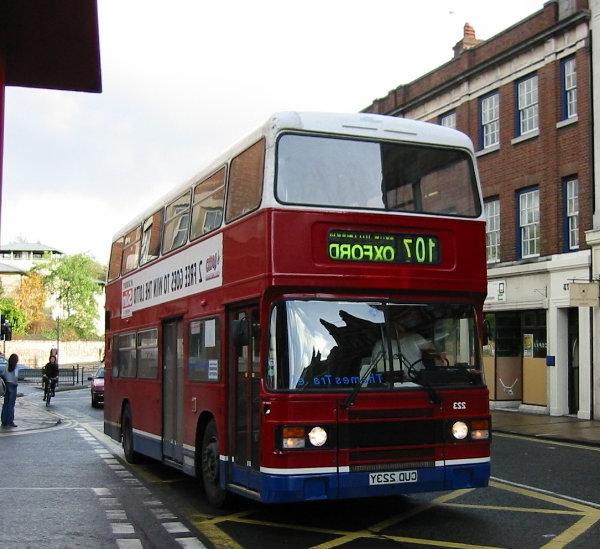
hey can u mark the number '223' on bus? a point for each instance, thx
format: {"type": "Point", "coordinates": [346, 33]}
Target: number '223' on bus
{"type": "Point", "coordinates": [302, 320]}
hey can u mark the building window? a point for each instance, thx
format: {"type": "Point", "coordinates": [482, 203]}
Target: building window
{"type": "Point", "coordinates": [448, 120]}
{"type": "Point", "coordinates": [527, 93]}
{"type": "Point", "coordinates": [529, 222]}
{"type": "Point", "coordinates": [572, 213]}
{"type": "Point", "coordinates": [569, 88]}
{"type": "Point", "coordinates": [492, 230]}
{"type": "Point", "coordinates": [490, 120]}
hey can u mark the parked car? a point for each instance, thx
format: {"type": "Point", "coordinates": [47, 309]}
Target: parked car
{"type": "Point", "coordinates": [3, 365]}
{"type": "Point", "coordinates": [97, 388]}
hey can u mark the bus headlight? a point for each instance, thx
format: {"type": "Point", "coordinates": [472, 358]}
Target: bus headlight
{"type": "Point", "coordinates": [460, 430]}
{"type": "Point", "coordinates": [317, 436]}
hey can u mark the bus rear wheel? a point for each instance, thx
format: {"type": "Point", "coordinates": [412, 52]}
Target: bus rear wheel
{"type": "Point", "coordinates": [127, 432]}
{"type": "Point", "coordinates": [215, 494]}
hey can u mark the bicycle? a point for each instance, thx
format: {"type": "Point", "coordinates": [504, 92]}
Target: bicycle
{"type": "Point", "coordinates": [49, 387]}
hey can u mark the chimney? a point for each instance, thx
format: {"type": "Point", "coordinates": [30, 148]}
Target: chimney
{"type": "Point", "coordinates": [468, 41]}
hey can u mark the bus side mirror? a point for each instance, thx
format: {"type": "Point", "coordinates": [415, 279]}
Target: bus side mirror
{"type": "Point", "coordinates": [240, 332]}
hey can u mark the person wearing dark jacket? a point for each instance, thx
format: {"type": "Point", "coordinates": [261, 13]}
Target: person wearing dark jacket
{"type": "Point", "coordinates": [10, 398]}
{"type": "Point", "coordinates": [50, 373]}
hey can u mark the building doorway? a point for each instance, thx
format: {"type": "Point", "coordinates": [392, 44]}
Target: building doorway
{"type": "Point", "coordinates": [573, 359]}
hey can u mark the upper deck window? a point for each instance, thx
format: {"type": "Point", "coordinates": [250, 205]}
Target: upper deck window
{"type": "Point", "coordinates": [177, 220]}
{"type": "Point", "coordinates": [116, 254]}
{"type": "Point", "coordinates": [207, 208]}
{"type": "Point", "coordinates": [245, 181]}
{"type": "Point", "coordinates": [151, 232]}
{"type": "Point", "coordinates": [131, 251]}
{"type": "Point", "coordinates": [344, 173]}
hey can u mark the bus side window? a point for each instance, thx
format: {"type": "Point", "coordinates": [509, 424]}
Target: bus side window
{"type": "Point", "coordinates": [126, 353]}
{"type": "Point", "coordinates": [116, 253]}
{"type": "Point", "coordinates": [115, 356]}
{"type": "Point", "coordinates": [245, 181]}
{"type": "Point", "coordinates": [204, 350]}
{"type": "Point", "coordinates": [147, 353]}
{"type": "Point", "coordinates": [177, 219]}
{"type": "Point", "coordinates": [131, 251]}
{"type": "Point", "coordinates": [151, 234]}
{"type": "Point", "coordinates": [207, 208]}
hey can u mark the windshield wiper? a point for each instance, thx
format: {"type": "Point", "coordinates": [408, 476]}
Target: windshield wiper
{"type": "Point", "coordinates": [434, 397]}
{"type": "Point", "coordinates": [350, 399]}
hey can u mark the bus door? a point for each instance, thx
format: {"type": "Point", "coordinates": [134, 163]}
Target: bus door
{"type": "Point", "coordinates": [172, 345]}
{"type": "Point", "coordinates": [244, 400]}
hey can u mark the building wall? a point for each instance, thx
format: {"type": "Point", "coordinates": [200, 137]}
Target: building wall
{"type": "Point", "coordinates": [543, 158]}
{"type": "Point", "coordinates": [35, 354]}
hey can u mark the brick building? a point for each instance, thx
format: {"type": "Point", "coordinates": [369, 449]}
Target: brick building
{"type": "Point", "coordinates": [524, 97]}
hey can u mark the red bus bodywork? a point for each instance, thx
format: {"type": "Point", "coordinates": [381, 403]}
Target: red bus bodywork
{"type": "Point", "coordinates": [378, 442]}
{"type": "Point", "coordinates": [265, 268]}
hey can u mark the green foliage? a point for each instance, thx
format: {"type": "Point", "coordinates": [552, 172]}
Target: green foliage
{"type": "Point", "coordinates": [14, 316]}
{"type": "Point", "coordinates": [74, 281]}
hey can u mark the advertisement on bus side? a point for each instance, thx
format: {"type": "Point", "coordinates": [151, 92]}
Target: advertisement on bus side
{"type": "Point", "coordinates": [195, 269]}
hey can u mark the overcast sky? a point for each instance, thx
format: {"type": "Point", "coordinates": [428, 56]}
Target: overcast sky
{"type": "Point", "coordinates": [184, 79]}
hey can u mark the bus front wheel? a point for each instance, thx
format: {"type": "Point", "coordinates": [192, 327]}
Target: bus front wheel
{"type": "Point", "coordinates": [215, 494]}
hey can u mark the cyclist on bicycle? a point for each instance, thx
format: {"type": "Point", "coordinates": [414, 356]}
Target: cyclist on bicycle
{"type": "Point", "coordinates": [50, 374]}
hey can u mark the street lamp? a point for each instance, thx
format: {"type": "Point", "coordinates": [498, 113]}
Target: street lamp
{"type": "Point", "coordinates": [57, 334]}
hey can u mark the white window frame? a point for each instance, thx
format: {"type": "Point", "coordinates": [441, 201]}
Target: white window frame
{"type": "Point", "coordinates": [448, 120]}
{"type": "Point", "coordinates": [573, 212]}
{"type": "Point", "coordinates": [570, 85]}
{"type": "Point", "coordinates": [490, 120]}
{"type": "Point", "coordinates": [527, 91]}
{"type": "Point", "coordinates": [529, 223]}
{"type": "Point", "coordinates": [492, 230]}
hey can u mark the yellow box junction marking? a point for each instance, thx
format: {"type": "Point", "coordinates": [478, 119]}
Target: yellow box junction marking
{"type": "Point", "coordinates": [589, 516]}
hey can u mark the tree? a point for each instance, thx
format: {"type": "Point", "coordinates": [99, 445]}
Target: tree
{"type": "Point", "coordinates": [30, 297]}
{"type": "Point", "coordinates": [74, 281]}
{"type": "Point", "coordinates": [14, 315]}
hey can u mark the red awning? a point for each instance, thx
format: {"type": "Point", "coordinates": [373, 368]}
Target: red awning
{"type": "Point", "coordinates": [51, 44]}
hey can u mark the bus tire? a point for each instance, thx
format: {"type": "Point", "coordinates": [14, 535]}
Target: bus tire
{"type": "Point", "coordinates": [215, 494]}
{"type": "Point", "coordinates": [127, 438]}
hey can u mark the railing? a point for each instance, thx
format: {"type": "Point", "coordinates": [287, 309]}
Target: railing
{"type": "Point", "coordinates": [75, 374]}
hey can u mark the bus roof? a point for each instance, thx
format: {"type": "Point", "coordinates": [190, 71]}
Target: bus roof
{"type": "Point", "coordinates": [362, 125]}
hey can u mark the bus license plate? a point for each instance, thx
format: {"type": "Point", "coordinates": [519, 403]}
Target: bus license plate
{"type": "Point", "coordinates": [392, 477]}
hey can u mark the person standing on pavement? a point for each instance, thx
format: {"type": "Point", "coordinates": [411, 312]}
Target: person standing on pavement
{"type": "Point", "coordinates": [10, 398]}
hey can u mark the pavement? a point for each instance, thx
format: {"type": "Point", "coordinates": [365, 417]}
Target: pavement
{"type": "Point", "coordinates": [30, 416]}
{"type": "Point", "coordinates": [557, 428]}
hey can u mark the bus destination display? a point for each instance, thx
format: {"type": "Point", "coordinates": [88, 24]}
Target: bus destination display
{"type": "Point", "coordinates": [367, 247]}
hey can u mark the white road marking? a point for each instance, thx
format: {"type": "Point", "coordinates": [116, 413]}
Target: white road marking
{"type": "Point", "coordinates": [129, 544]}
{"type": "Point", "coordinates": [122, 528]}
{"type": "Point", "coordinates": [116, 514]}
{"type": "Point", "coordinates": [190, 543]}
{"type": "Point", "coordinates": [175, 527]}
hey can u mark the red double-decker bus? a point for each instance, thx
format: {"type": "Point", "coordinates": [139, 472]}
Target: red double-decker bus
{"type": "Point", "coordinates": [303, 319]}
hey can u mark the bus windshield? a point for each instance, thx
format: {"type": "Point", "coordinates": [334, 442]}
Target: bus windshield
{"type": "Point", "coordinates": [335, 345]}
{"type": "Point", "coordinates": [346, 173]}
